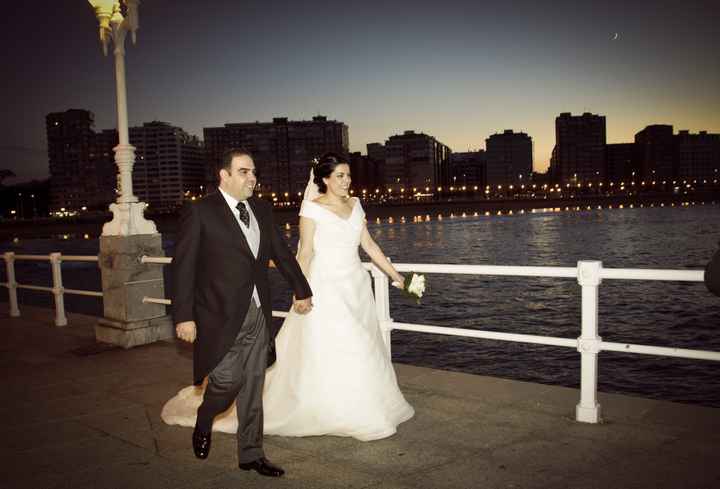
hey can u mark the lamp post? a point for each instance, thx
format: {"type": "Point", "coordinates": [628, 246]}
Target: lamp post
{"type": "Point", "coordinates": [127, 321]}
{"type": "Point", "coordinates": [128, 218]}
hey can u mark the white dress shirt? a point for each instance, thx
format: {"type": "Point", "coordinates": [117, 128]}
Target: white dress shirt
{"type": "Point", "coordinates": [251, 232]}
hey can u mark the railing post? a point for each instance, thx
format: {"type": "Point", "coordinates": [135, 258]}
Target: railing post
{"type": "Point", "coordinates": [588, 409]}
{"type": "Point", "coordinates": [11, 283]}
{"type": "Point", "coordinates": [382, 305]}
{"type": "Point", "coordinates": [58, 291]}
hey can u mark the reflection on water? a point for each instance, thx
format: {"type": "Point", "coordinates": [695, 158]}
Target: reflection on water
{"type": "Point", "coordinates": [675, 314]}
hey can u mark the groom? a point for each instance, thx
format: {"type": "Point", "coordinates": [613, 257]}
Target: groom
{"type": "Point", "coordinates": [222, 303]}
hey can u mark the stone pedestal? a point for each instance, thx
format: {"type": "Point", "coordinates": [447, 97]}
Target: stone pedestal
{"type": "Point", "coordinates": [128, 321]}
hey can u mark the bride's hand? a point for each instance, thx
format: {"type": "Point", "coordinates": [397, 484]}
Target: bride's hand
{"type": "Point", "coordinates": [398, 282]}
{"type": "Point", "coordinates": [302, 306]}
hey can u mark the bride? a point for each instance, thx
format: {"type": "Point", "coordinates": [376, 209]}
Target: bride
{"type": "Point", "coordinates": [333, 374]}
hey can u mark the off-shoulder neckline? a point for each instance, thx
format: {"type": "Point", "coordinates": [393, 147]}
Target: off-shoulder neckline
{"type": "Point", "coordinates": [355, 205]}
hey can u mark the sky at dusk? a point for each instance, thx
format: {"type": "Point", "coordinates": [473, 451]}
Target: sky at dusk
{"type": "Point", "coordinates": [457, 70]}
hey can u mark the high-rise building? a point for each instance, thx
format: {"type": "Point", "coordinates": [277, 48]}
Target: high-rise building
{"type": "Point", "coordinates": [698, 155]}
{"type": "Point", "coordinates": [663, 155]}
{"type": "Point", "coordinates": [363, 171]}
{"type": "Point", "coordinates": [76, 168]}
{"type": "Point", "coordinates": [509, 158]}
{"type": "Point", "coordinates": [103, 154]}
{"type": "Point", "coordinates": [282, 149]}
{"type": "Point", "coordinates": [169, 165]}
{"type": "Point", "coordinates": [656, 152]}
{"type": "Point", "coordinates": [415, 160]}
{"type": "Point", "coordinates": [622, 161]}
{"type": "Point", "coordinates": [468, 169]}
{"type": "Point", "coordinates": [376, 154]}
{"type": "Point", "coordinates": [579, 153]}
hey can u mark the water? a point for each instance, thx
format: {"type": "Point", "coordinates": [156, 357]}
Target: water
{"type": "Point", "coordinates": [675, 314]}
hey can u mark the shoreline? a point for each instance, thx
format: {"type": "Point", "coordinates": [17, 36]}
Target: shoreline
{"type": "Point", "coordinates": [529, 204]}
{"type": "Point", "coordinates": [166, 223]}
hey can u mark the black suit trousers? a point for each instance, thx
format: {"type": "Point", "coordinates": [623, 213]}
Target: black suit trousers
{"type": "Point", "coordinates": [240, 377]}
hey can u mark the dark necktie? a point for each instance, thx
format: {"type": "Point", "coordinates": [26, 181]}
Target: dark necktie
{"type": "Point", "coordinates": [244, 214]}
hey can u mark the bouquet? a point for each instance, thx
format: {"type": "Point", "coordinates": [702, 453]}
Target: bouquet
{"type": "Point", "coordinates": [413, 286]}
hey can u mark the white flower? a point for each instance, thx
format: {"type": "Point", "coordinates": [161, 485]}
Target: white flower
{"type": "Point", "coordinates": [417, 285]}
{"type": "Point", "coordinates": [413, 286]}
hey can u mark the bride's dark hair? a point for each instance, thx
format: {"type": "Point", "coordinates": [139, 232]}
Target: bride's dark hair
{"type": "Point", "coordinates": [324, 168]}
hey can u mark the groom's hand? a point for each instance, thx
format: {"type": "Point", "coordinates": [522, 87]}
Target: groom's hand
{"type": "Point", "coordinates": [303, 306]}
{"type": "Point", "coordinates": [186, 331]}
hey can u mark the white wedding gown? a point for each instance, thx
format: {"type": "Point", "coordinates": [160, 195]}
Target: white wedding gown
{"type": "Point", "coordinates": [333, 374]}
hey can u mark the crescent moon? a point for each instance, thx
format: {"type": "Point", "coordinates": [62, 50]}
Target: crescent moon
{"type": "Point", "coordinates": [615, 36]}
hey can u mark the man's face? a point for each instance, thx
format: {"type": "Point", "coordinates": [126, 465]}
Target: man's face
{"type": "Point", "coordinates": [241, 180]}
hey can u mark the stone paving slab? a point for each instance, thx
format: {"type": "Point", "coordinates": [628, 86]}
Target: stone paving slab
{"type": "Point", "coordinates": [83, 415]}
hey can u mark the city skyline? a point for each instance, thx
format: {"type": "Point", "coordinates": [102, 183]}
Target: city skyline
{"type": "Point", "coordinates": [459, 73]}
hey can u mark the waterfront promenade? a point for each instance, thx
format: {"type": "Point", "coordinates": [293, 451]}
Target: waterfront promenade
{"type": "Point", "coordinates": [78, 414]}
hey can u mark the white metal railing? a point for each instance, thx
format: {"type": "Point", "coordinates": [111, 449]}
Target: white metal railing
{"type": "Point", "coordinates": [57, 289]}
{"type": "Point", "coordinates": [589, 275]}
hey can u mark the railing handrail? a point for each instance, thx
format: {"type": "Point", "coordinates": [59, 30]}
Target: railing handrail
{"type": "Point", "coordinates": [55, 259]}
{"type": "Point", "coordinates": [589, 275]}
{"type": "Point", "coordinates": [521, 271]}
{"type": "Point", "coordinates": [497, 270]}
{"type": "Point", "coordinates": [163, 260]}
{"type": "Point", "coordinates": [62, 257]}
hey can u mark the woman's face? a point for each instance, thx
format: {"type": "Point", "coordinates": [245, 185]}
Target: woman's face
{"type": "Point", "coordinates": [338, 183]}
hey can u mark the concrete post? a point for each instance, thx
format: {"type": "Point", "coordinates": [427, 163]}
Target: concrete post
{"type": "Point", "coordinates": [128, 321]}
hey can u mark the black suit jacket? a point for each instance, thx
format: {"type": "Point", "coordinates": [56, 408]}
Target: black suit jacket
{"type": "Point", "coordinates": [214, 272]}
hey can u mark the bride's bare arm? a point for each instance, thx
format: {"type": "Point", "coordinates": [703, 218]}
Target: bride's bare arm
{"type": "Point", "coordinates": [378, 257]}
{"type": "Point", "coordinates": [305, 246]}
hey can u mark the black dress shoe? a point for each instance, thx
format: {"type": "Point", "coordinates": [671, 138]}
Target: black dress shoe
{"type": "Point", "coordinates": [201, 444]}
{"type": "Point", "coordinates": [263, 467]}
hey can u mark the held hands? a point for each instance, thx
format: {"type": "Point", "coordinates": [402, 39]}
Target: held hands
{"type": "Point", "coordinates": [302, 306]}
{"type": "Point", "coordinates": [186, 331]}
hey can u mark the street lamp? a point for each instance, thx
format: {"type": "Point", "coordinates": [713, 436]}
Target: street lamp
{"type": "Point", "coordinates": [128, 218]}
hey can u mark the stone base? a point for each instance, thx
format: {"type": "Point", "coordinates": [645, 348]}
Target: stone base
{"type": "Point", "coordinates": [134, 333]}
{"type": "Point", "coordinates": [126, 281]}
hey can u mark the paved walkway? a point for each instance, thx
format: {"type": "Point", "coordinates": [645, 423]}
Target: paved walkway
{"type": "Point", "coordinates": [82, 415]}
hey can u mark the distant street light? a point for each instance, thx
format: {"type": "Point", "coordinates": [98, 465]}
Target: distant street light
{"type": "Point", "coordinates": [128, 218]}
